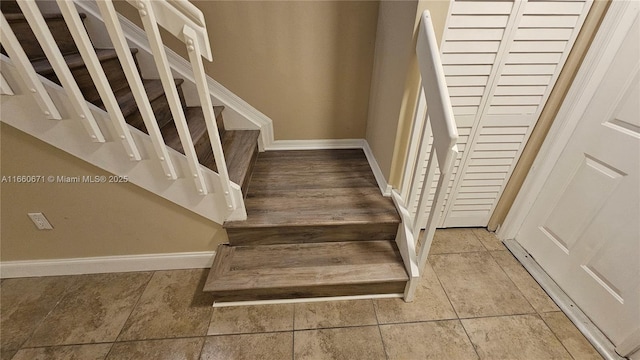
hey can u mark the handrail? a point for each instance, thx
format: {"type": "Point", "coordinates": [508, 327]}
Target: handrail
{"type": "Point", "coordinates": [181, 19]}
{"type": "Point", "coordinates": [438, 124]}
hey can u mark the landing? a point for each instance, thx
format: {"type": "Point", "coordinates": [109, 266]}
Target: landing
{"type": "Point", "coordinates": [314, 187]}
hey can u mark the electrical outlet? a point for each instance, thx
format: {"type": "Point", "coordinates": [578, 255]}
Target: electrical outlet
{"type": "Point", "coordinates": [41, 221]}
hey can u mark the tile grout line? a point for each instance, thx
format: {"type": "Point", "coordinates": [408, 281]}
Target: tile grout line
{"type": "Point", "coordinates": [133, 308]}
{"type": "Point", "coordinates": [35, 328]}
{"type": "Point", "coordinates": [556, 336]}
{"type": "Point", "coordinates": [375, 312]}
{"type": "Point", "coordinates": [293, 334]}
{"type": "Point", "coordinates": [454, 309]}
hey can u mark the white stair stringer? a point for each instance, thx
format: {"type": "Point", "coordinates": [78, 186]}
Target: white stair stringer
{"type": "Point", "coordinates": [22, 112]}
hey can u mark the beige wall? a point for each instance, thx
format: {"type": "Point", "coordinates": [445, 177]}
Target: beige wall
{"type": "Point", "coordinates": [88, 219]}
{"type": "Point", "coordinates": [305, 64]}
{"type": "Point", "coordinates": [396, 80]}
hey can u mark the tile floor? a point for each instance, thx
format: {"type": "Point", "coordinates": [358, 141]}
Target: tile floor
{"type": "Point", "coordinates": [474, 301]}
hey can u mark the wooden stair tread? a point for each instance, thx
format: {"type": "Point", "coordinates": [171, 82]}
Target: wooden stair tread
{"type": "Point", "coordinates": [74, 60]}
{"type": "Point", "coordinates": [127, 102]}
{"type": "Point", "coordinates": [338, 189]}
{"type": "Point", "coordinates": [311, 207]}
{"type": "Point", "coordinates": [196, 124]}
{"type": "Point", "coordinates": [288, 266]}
{"type": "Point", "coordinates": [240, 151]}
{"type": "Point", "coordinates": [19, 16]}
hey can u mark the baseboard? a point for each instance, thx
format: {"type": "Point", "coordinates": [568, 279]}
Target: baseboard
{"type": "Point", "coordinates": [106, 264]}
{"type": "Point", "coordinates": [385, 188]}
{"type": "Point", "coordinates": [322, 144]}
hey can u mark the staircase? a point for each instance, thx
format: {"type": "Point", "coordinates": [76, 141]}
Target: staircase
{"type": "Point", "coordinates": [317, 225]}
{"type": "Point", "coordinates": [240, 145]}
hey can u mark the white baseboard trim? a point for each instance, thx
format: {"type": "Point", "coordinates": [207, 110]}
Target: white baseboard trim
{"type": "Point", "coordinates": [307, 300]}
{"type": "Point", "coordinates": [321, 144]}
{"type": "Point", "coordinates": [106, 264]}
{"type": "Point", "coordinates": [573, 312]}
{"type": "Point", "coordinates": [385, 188]}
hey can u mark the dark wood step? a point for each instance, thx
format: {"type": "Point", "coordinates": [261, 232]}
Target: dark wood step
{"type": "Point", "coordinates": [157, 98]}
{"type": "Point", "coordinates": [110, 64]}
{"type": "Point", "coordinates": [335, 199]}
{"type": "Point", "coordinates": [239, 146]}
{"type": "Point", "coordinates": [243, 273]}
{"type": "Point", "coordinates": [240, 149]}
{"type": "Point", "coordinates": [28, 40]}
{"type": "Point", "coordinates": [9, 7]}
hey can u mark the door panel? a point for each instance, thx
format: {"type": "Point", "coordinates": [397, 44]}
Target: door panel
{"type": "Point", "coordinates": [584, 227]}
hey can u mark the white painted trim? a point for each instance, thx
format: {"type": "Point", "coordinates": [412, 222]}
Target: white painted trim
{"type": "Point", "coordinates": [106, 264]}
{"type": "Point", "coordinates": [320, 144]}
{"type": "Point", "coordinates": [573, 312]}
{"type": "Point", "coordinates": [603, 48]}
{"type": "Point", "coordinates": [385, 188]}
{"type": "Point", "coordinates": [238, 113]}
{"type": "Point", "coordinates": [307, 300]}
{"type": "Point", "coordinates": [5, 88]}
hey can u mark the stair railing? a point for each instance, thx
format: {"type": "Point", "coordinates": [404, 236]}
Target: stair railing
{"type": "Point", "coordinates": [181, 19]}
{"type": "Point", "coordinates": [433, 128]}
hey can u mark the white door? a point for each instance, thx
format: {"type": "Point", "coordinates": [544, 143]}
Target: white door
{"type": "Point", "coordinates": [584, 226]}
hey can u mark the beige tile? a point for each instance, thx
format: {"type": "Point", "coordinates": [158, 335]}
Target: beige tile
{"type": "Point", "coordinates": [172, 305]}
{"type": "Point", "coordinates": [572, 339]}
{"type": "Point", "coordinates": [449, 241]}
{"type": "Point", "coordinates": [94, 310]}
{"type": "Point", "coordinates": [341, 343]}
{"type": "Point", "coordinates": [168, 349]}
{"type": "Point", "coordinates": [268, 346]}
{"type": "Point", "coordinates": [477, 286]}
{"type": "Point", "coordinates": [7, 354]}
{"type": "Point", "coordinates": [25, 302]}
{"type": "Point", "coordinates": [514, 337]}
{"type": "Point", "coordinates": [430, 303]}
{"type": "Point", "coordinates": [251, 319]}
{"type": "Point", "coordinates": [72, 352]}
{"type": "Point", "coordinates": [328, 314]}
{"type": "Point", "coordinates": [427, 340]}
{"type": "Point", "coordinates": [488, 239]}
{"type": "Point", "coordinates": [530, 288]}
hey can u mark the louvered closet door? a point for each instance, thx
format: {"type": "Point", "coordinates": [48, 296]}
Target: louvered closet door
{"type": "Point", "coordinates": [501, 60]}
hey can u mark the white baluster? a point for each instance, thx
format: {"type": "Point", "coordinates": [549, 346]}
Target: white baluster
{"type": "Point", "coordinates": [81, 38]}
{"type": "Point", "coordinates": [195, 57]}
{"type": "Point", "coordinates": [26, 71]}
{"type": "Point", "coordinates": [51, 50]}
{"type": "Point", "coordinates": [160, 57]}
{"type": "Point", "coordinates": [5, 88]}
{"type": "Point", "coordinates": [110, 17]}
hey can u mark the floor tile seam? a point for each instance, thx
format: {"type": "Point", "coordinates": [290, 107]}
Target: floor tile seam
{"type": "Point", "coordinates": [418, 322]}
{"type": "Point", "coordinates": [459, 252]}
{"type": "Point", "coordinates": [516, 285]}
{"type": "Point", "coordinates": [293, 335]}
{"type": "Point", "coordinates": [557, 337]}
{"type": "Point", "coordinates": [375, 313]}
{"type": "Point", "coordinates": [499, 316]}
{"type": "Point", "coordinates": [249, 333]}
{"type": "Point", "coordinates": [479, 240]}
{"type": "Point", "coordinates": [64, 295]}
{"type": "Point", "coordinates": [473, 345]}
{"type": "Point", "coordinates": [135, 305]}
{"type": "Point", "coordinates": [443, 289]}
